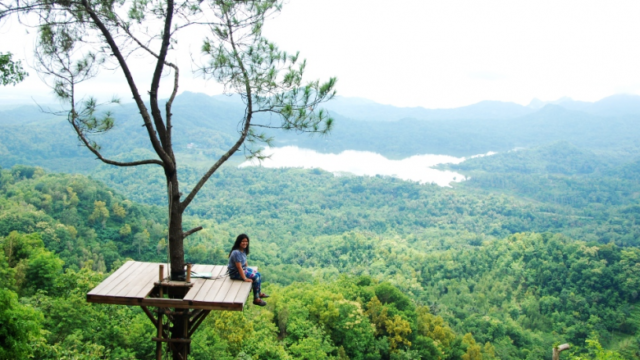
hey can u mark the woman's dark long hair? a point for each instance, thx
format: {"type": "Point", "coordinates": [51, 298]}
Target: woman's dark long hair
{"type": "Point", "coordinates": [236, 245]}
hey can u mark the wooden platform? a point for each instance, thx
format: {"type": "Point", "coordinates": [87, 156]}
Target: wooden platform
{"type": "Point", "coordinates": [134, 281]}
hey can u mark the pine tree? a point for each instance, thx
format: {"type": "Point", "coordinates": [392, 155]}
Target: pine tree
{"type": "Point", "coordinates": [78, 38]}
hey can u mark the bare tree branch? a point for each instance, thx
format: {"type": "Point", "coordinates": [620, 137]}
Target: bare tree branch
{"type": "Point", "coordinates": [73, 116]}
{"type": "Point", "coordinates": [166, 159]}
{"type": "Point", "coordinates": [155, 82]}
{"type": "Point", "coordinates": [244, 133]}
{"type": "Point", "coordinates": [194, 230]}
{"type": "Point", "coordinates": [176, 70]}
{"type": "Point", "coordinates": [167, 63]}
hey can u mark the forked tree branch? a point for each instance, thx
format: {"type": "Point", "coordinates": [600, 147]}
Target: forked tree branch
{"type": "Point", "coordinates": [97, 153]}
{"type": "Point", "coordinates": [245, 130]}
{"type": "Point", "coordinates": [169, 103]}
{"type": "Point", "coordinates": [155, 82]}
{"type": "Point", "coordinates": [184, 204]}
{"type": "Point", "coordinates": [167, 161]}
{"type": "Point", "coordinates": [175, 82]}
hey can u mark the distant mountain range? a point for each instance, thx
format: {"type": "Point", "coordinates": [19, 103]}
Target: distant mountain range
{"type": "Point", "coordinates": [622, 104]}
{"type": "Point", "coordinates": [367, 110]}
{"type": "Point", "coordinates": [362, 109]}
{"type": "Point", "coordinates": [205, 126]}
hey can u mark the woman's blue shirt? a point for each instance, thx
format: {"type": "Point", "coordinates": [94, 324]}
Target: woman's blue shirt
{"type": "Point", "coordinates": [235, 257]}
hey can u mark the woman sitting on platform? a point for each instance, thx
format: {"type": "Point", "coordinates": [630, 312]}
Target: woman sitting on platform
{"type": "Point", "coordinates": [238, 269]}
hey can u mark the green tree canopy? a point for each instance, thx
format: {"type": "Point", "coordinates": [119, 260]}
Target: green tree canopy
{"type": "Point", "coordinates": [11, 71]}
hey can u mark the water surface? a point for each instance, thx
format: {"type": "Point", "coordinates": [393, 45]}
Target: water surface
{"type": "Point", "coordinates": [418, 168]}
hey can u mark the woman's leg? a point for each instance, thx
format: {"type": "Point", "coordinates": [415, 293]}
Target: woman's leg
{"type": "Point", "coordinates": [257, 281]}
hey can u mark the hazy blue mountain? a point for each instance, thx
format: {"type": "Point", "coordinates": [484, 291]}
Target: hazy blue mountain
{"type": "Point", "coordinates": [616, 105]}
{"type": "Point", "coordinates": [629, 171]}
{"type": "Point", "coordinates": [595, 132]}
{"type": "Point", "coordinates": [28, 114]}
{"type": "Point", "coordinates": [617, 137]}
{"type": "Point", "coordinates": [565, 102]}
{"type": "Point", "coordinates": [367, 110]}
{"type": "Point", "coordinates": [205, 126]}
{"type": "Point", "coordinates": [202, 126]}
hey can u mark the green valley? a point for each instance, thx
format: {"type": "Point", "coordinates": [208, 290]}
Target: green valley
{"type": "Point", "coordinates": [539, 246]}
{"type": "Point", "coordinates": [359, 267]}
{"type": "Point", "coordinates": [485, 206]}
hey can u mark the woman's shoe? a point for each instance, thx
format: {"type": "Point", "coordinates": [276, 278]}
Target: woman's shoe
{"type": "Point", "coordinates": [259, 302]}
{"type": "Point", "coordinates": [263, 296]}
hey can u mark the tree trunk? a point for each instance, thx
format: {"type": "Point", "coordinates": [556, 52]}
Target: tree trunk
{"type": "Point", "coordinates": [179, 331]}
{"type": "Point", "coordinates": [176, 235]}
{"type": "Point", "coordinates": [176, 257]}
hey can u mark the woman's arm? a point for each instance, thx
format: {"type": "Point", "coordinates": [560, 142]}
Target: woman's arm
{"type": "Point", "coordinates": [241, 271]}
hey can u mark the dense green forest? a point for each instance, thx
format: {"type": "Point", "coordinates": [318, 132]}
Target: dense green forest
{"type": "Point", "coordinates": [540, 246]}
{"type": "Point", "coordinates": [377, 269]}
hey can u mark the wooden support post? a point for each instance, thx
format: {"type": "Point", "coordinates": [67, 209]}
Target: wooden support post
{"type": "Point", "coordinates": [186, 347]}
{"type": "Point", "coordinates": [188, 273]}
{"type": "Point", "coordinates": [161, 276]}
{"type": "Point", "coordinates": [149, 314]}
{"type": "Point", "coordinates": [160, 335]}
{"type": "Point", "coordinates": [197, 321]}
{"type": "Point", "coordinates": [194, 314]}
{"type": "Point", "coordinates": [558, 349]}
{"type": "Point", "coordinates": [185, 318]}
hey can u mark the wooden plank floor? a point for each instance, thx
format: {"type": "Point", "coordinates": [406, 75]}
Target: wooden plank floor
{"type": "Point", "coordinates": [132, 283]}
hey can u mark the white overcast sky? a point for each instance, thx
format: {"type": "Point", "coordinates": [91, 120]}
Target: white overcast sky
{"type": "Point", "coordinates": [435, 54]}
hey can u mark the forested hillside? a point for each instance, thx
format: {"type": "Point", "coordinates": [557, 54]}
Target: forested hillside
{"type": "Point", "coordinates": [391, 270]}
{"type": "Point", "coordinates": [539, 246]}
{"type": "Point", "coordinates": [315, 202]}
